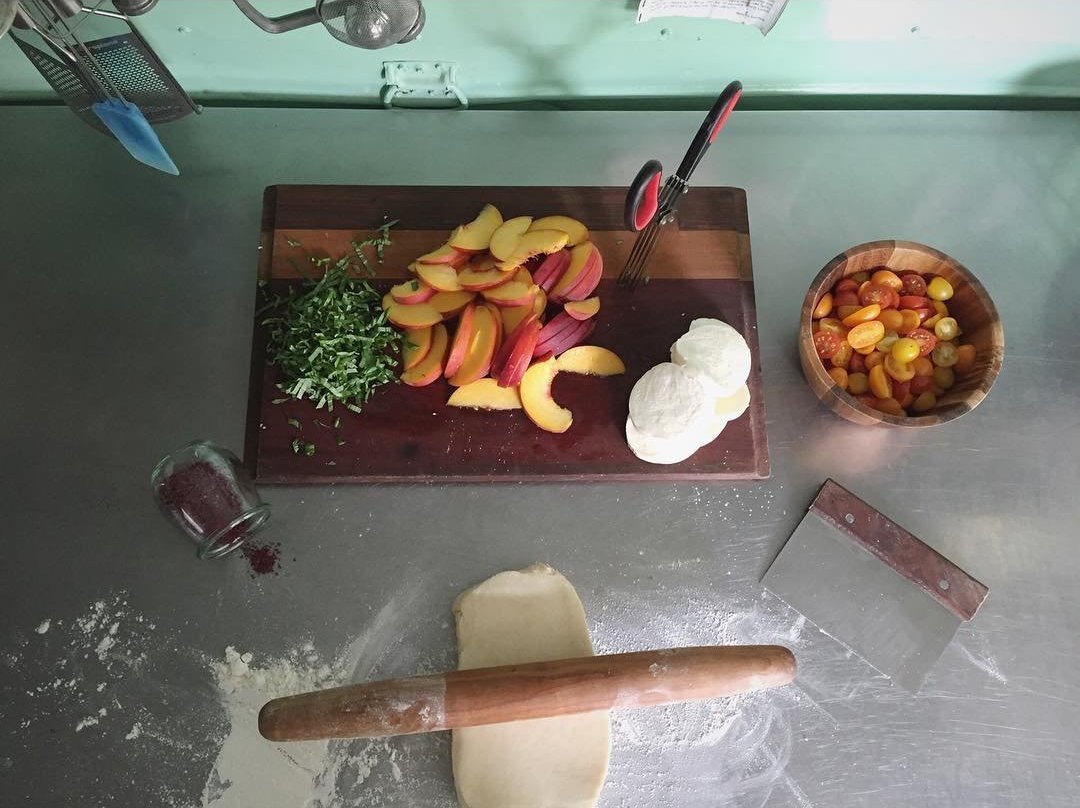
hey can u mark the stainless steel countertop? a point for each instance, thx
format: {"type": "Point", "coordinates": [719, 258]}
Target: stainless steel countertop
{"type": "Point", "coordinates": [126, 331]}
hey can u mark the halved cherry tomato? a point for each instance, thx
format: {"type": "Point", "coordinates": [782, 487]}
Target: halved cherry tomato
{"type": "Point", "coordinates": [863, 315]}
{"type": "Point", "coordinates": [889, 406]}
{"type": "Point", "coordinates": [914, 302]}
{"type": "Point", "coordinates": [873, 360]}
{"type": "Point", "coordinates": [861, 277]}
{"type": "Point", "coordinates": [901, 391]}
{"type": "Point", "coordinates": [900, 371]}
{"type": "Point", "coordinates": [920, 384]}
{"type": "Point", "coordinates": [844, 312]}
{"type": "Point", "coordinates": [886, 277]}
{"type": "Point", "coordinates": [875, 293]}
{"type": "Point", "coordinates": [924, 402]}
{"type": "Point", "coordinates": [927, 341]}
{"type": "Point", "coordinates": [911, 322]}
{"type": "Point", "coordinates": [857, 364]}
{"type": "Point", "coordinates": [823, 307]}
{"type": "Point", "coordinates": [826, 344]}
{"type": "Point", "coordinates": [846, 285]}
{"type": "Point", "coordinates": [924, 314]}
{"type": "Point", "coordinates": [880, 384]}
{"type": "Point", "coordinates": [846, 298]}
{"type": "Point", "coordinates": [843, 355]}
{"type": "Point", "coordinates": [891, 319]}
{"type": "Point", "coordinates": [923, 366]}
{"type": "Point", "coordinates": [840, 376]}
{"type": "Point", "coordinates": [857, 383]}
{"type": "Point", "coordinates": [866, 334]}
{"type": "Point", "coordinates": [913, 284]}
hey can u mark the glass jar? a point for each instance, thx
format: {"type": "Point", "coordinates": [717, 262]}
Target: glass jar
{"type": "Point", "coordinates": [205, 491]}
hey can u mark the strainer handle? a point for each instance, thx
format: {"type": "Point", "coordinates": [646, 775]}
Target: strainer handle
{"type": "Point", "coordinates": [278, 25]}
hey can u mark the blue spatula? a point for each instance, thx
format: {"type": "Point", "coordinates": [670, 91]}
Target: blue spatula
{"type": "Point", "coordinates": [130, 127]}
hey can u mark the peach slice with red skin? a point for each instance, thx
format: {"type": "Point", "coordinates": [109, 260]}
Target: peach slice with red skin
{"type": "Point", "coordinates": [581, 277]}
{"type": "Point", "coordinates": [485, 394]}
{"type": "Point", "coordinates": [582, 309]}
{"type": "Point", "coordinates": [535, 242]}
{"type": "Point", "coordinates": [448, 304]}
{"type": "Point", "coordinates": [518, 353]}
{"type": "Point", "coordinates": [477, 280]}
{"type": "Point", "coordinates": [416, 346]}
{"type": "Point", "coordinates": [500, 331]}
{"type": "Point", "coordinates": [413, 316]}
{"type": "Point", "coordinates": [412, 291]}
{"type": "Point", "coordinates": [446, 254]}
{"type": "Point", "coordinates": [575, 231]}
{"type": "Point", "coordinates": [536, 400]}
{"type": "Point", "coordinates": [505, 239]}
{"type": "Point", "coordinates": [591, 360]}
{"type": "Point", "coordinates": [551, 269]}
{"type": "Point", "coordinates": [514, 293]}
{"type": "Point", "coordinates": [481, 348]}
{"type": "Point", "coordinates": [441, 277]}
{"type": "Point", "coordinates": [431, 366]}
{"type": "Point", "coordinates": [460, 344]}
{"type": "Point", "coordinates": [476, 235]}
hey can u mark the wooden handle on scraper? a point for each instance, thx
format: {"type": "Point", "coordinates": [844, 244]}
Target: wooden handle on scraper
{"type": "Point", "coordinates": [517, 692]}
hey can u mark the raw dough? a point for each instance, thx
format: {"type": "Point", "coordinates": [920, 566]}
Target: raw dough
{"type": "Point", "coordinates": [527, 616]}
{"type": "Point", "coordinates": [669, 401]}
{"type": "Point", "coordinates": [716, 350]}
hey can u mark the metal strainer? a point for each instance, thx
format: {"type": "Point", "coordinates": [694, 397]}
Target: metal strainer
{"type": "Point", "coordinates": [370, 24]}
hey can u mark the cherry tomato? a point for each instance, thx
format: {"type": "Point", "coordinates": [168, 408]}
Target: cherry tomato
{"type": "Point", "coordinates": [885, 343]}
{"type": "Point", "coordinates": [886, 277]}
{"type": "Point", "coordinates": [846, 285]}
{"type": "Point", "coordinates": [927, 341]}
{"type": "Point", "coordinates": [905, 350]}
{"type": "Point", "coordinates": [965, 359]}
{"type": "Point", "coordinates": [880, 384]}
{"type": "Point", "coordinates": [843, 312]}
{"type": "Point", "coordinates": [875, 293]}
{"type": "Point", "coordinates": [866, 400]}
{"type": "Point", "coordinates": [921, 384]}
{"type": "Point", "coordinates": [913, 284]}
{"type": "Point", "coordinates": [913, 302]}
{"type": "Point", "coordinates": [866, 334]}
{"type": "Point", "coordinates": [866, 350]}
{"type": "Point", "coordinates": [889, 406]}
{"type": "Point", "coordinates": [863, 315]}
{"type": "Point", "coordinates": [873, 360]}
{"type": "Point", "coordinates": [857, 383]}
{"type": "Point", "coordinates": [861, 277]}
{"type": "Point", "coordinates": [848, 297]}
{"type": "Point", "coordinates": [944, 378]}
{"type": "Point", "coordinates": [826, 344]}
{"type": "Point", "coordinates": [923, 366]}
{"type": "Point", "coordinates": [939, 289]}
{"type": "Point", "coordinates": [924, 402]}
{"type": "Point", "coordinates": [857, 363]}
{"type": "Point", "coordinates": [891, 319]}
{"type": "Point", "coordinates": [911, 322]}
{"type": "Point", "coordinates": [930, 322]}
{"type": "Point", "coordinates": [840, 376]}
{"type": "Point", "coordinates": [823, 307]}
{"type": "Point", "coordinates": [944, 355]}
{"type": "Point", "coordinates": [901, 391]}
{"type": "Point", "coordinates": [832, 325]}
{"type": "Point", "coordinates": [843, 355]}
{"type": "Point", "coordinates": [900, 371]}
{"type": "Point", "coordinates": [940, 308]}
{"type": "Point", "coordinates": [947, 328]}
{"type": "Point", "coordinates": [924, 314]}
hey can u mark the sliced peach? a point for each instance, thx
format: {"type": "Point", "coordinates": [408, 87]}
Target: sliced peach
{"type": "Point", "coordinates": [476, 235]}
{"type": "Point", "coordinates": [516, 355]}
{"type": "Point", "coordinates": [449, 304]}
{"type": "Point", "coordinates": [442, 277]}
{"type": "Point", "coordinates": [539, 301]}
{"type": "Point", "coordinates": [533, 243]}
{"type": "Point", "coordinates": [562, 333]}
{"type": "Point", "coordinates": [416, 346]}
{"type": "Point", "coordinates": [522, 275]}
{"type": "Point", "coordinates": [582, 309]}
{"type": "Point", "coordinates": [589, 279]}
{"type": "Point", "coordinates": [476, 280]}
{"type": "Point", "coordinates": [445, 254]}
{"type": "Point", "coordinates": [575, 231]}
{"type": "Point", "coordinates": [481, 349]}
{"type": "Point", "coordinates": [500, 332]}
{"type": "Point", "coordinates": [485, 394]}
{"type": "Point", "coordinates": [551, 269]}
{"type": "Point", "coordinates": [513, 293]}
{"type": "Point", "coordinates": [583, 260]}
{"type": "Point", "coordinates": [535, 391]}
{"type": "Point", "coordinates": [460, 343]}
{"type": "Point", "coordinates": [412, 291]}
{"type": "Point", "coordinates": [413, 315]}
{"type": "Point", "coordinates": [512, 316]}
{"type": "Point", "coordinates": [431, 366]}
{"type": "Point", "coordinates": [591, 360]}
{"type": "Point", "coordinates": [505, 239]}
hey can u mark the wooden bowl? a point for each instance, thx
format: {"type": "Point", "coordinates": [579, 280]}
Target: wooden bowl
{"type": "Point", "coordinates": [970, 304]}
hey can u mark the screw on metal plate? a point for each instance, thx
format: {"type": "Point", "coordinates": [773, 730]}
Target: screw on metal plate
{"type": "Point", "coordinates": [849, 518]}
{"type": "Point", "coordinates": [422, 84]}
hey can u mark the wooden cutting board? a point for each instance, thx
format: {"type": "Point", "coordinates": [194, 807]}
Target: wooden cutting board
{"type": "Point", "coordinates": [701, 268]}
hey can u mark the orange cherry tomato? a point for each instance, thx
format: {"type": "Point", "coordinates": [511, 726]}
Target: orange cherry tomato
{"type": "Point", "coordinates": [826, 344]}
{"type": "Point", "coordinates": [868, 333]}
{"type": "Point", "coordinates": [863, 315]}
{"type": "Point", "coordinates": [857, 383]}
{"type": "Point", "coordinates": [880, 384]}
{"type": "Point", "coordinates": [911, 321]}
{"type": "Point", "coordinates": [900, 371]}
{"type": "Point", "coordinates": [940, 308]}
{"type": "Point", "coordinates": [913, 284]}
{"type": "Point", "coordinates": [927, 341]}
{"type": "Point", "coordinates": [889, 406]}
{"type": "Point", "coordinates": [965, 359]}
{"type": "Point", "coordinates": [886, 277]}
{"type": "Point", "coordinates": [843, 355]}
{"type": "Point", "coordinates": [923, 366]}
{"type": "Point", "coordinates": [874, 359]}
{"type": "Point", "coordinates": [891, 319]}
{"type": "Point", "coordinates": [823, 307]}
{"type": "Point", "coordinates": [840, 376]}
{"type": "Point", "coordinates": [832, 325]}
{"type": "Point", "coordinates": [875, 293]}
{"type": "Point", "coordinates": [866, 350]}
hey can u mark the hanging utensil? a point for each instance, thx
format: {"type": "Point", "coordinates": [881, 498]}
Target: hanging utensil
{"type": "Point", "coordinates": [649, 207]}
{"type": "Point", "coordinates": [370, 24]}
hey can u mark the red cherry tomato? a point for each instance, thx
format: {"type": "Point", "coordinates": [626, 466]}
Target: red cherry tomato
{"type": "Point", "coordinates": [927, 341]}
{"type": "Point", "coordinates": [846, 285]}
{"type": "Point", "coordinates": [827, 344]}
{"type": "Point", "coordinates": [924, 314]}
{"type": "Point", "coordinates": [913, 302]}
{"type": "Point", "coordinates": [857, 363]}
{"type": "Point", "coordinates": [876, 293]}
{"type": "Point", "coordinates": [920, 384]}
{"type": "Point", "coordinates": [846, 298]}
{"type": "Point", "coordinates": [914, 285]}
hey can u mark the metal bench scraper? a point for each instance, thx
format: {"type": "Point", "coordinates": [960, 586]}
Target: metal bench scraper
{"type": "Point", "coordinates": [874, 587]}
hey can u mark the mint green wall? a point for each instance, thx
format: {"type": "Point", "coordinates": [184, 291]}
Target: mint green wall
{"type": "Point", "coordinates": [520, 50]}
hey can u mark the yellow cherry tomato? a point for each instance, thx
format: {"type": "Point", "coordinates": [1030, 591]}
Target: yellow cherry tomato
{"type": "Point", "coordinates": [880, 384]}
{"type": "Point", "coordinates": [947, 328]}
{"type": "Point", "coordinates": [939, 289]}
{"type": "Point", "coordinates": [905, 350]}
{"type": "Point", "coordinates": [863, 315]}
{"type": "Point", "coordinates": [866, 350]}
{"type": "Point", "coordinates": [910, 322]}
{"type": "Point", "coordinates": [885, 343]}
{"type": "Point", "coordinates": [944, 378]}
{"type": "Point", "coordinates": [923, 366]}
{"type": "Point", "coordinates": [874, 359]}
{"type": "Point", "coordinates": [889, 406]}
{"type": "Point", "coordinates": [965, 359]}
{"type": "Point", "coordinates": [924, 402]}
{"type": "Point", "coordinates": [944, 355]}
{"type": "Point", "coordinates": [901, 371]}
{"type": "Point", "coordinates": [842, 356]}
{"type": "Point", "coordinates": [864, 334]}
{"type": "Point", "coordinates": [824, 306]}
{"type": "Point", "coordinates": [940, 308]}
{"type": "Point", "coordinates": [891, 319]}
{"type": "Point", "coordinates": [832, 325]}
{"type": "Point", "coordinates": [840, 376]}
{"type": "Point", "coordinates": [857, 383]}
{"type": "Point", "coordinates": [886, 277]}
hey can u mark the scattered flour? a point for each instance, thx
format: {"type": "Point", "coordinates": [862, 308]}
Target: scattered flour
{"type": "Point", "coordinates": [43, 626]}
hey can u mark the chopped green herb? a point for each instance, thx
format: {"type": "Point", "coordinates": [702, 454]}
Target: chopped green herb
{"type": "Point", "coordinates": [330, 336]}
{"type": "Point", "coordinates": [296, 443]}
{"type": "Point", "coordinates": [309, 449]}
{"type": "Point", "coordinates": [340, 442]}
{"type": "Point", "coordinates": [292, 242]}
{"type": "Point", "coordinates": [280, 400]}
{"type": "Point", "coordinates": [293, 423]}
{"type": "Point", "coordinates": [415, 286]}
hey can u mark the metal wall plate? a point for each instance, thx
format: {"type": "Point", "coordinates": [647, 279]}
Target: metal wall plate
{"type": "Point", "coordinates": [422, 84]}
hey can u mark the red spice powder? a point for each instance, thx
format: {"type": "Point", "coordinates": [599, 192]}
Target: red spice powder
{"type": "Point", "coordinates": [263, 559]}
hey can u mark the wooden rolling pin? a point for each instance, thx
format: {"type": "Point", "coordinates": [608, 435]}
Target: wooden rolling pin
{"type": "Point", "coordinates": [534, 690]}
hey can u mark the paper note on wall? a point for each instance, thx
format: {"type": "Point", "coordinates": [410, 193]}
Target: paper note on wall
{"type": "Point", "coordinates": [762, 14]}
